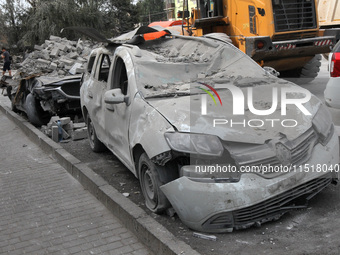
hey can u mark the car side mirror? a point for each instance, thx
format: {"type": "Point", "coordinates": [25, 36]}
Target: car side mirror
{"type": "Point", "coordinates": [115, 96]}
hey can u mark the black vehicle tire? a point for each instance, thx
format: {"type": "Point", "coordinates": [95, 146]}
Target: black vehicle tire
{"type": "Point", "coordinates": [306, 74]}
{"type": "Point", "coordinates": [95, 144]}
{"type": "Point", "coordinates": [150, 182]}
{"type": "Point", "coordinates": [36, 115]}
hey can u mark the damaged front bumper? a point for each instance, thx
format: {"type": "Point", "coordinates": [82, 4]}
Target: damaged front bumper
{"type": "Point", "coordinates": [253, 200]}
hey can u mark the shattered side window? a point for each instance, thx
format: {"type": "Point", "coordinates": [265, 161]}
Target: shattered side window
{"type": "Point", "coordinates": [90, 64]}
{"type": "Point", "coordinates": [120, 79]}
{"type": "Point", "coordinates": [104, 68]}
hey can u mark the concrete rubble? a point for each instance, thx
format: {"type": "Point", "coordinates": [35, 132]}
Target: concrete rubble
{"type": "Point", "coordinates": [60, 129]}
{"type": "Point", "coordinates": [56, 57]}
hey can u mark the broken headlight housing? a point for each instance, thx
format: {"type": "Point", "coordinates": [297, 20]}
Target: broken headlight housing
{"type": "Point", "coordinates": [323, 125]}
{"type": "Point", "coordinates": [199, 144]}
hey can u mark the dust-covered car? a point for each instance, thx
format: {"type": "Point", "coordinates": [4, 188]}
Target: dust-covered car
{"type": "Point", "coordinates": [206, 130]}
{"type": "Point", "coordinates": [41, 97]}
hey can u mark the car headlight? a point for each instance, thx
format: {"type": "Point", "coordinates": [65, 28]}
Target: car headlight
{"type": "Point", "coordinates": [323, 124]}
{"type": "Point", "coordinates": [200, 144]}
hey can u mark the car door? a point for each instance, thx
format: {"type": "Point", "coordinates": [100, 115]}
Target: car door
{"type": "Point", "coordinates": [86, 89]}
{"type": "Point", "coordinates": [95, 91]}
{"type": "Point", "coordinates": [117, 116]}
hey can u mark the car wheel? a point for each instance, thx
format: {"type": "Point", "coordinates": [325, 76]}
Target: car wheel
{"type": "Point", "coordinates": [36, 115]}
{"type": "Point", "coordinates": [150, 182]}
{"type": "Point", "coordinates": [95, 144]}
{"type": "Point", "coordinates": [306, 74]}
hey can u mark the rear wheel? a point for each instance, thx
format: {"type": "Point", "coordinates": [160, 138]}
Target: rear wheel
{"type": "Point", "coordinates": [36, 115]}
{"type": "Point", "coordinates": [95, 144]}
{"type": "Point", "coordinates": [150, 182]}
{"type": "Point", "coordinates": [305, 74]}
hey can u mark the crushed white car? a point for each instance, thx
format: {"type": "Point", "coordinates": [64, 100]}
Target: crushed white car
{"type": "Point", "coordinates": [165, 108]}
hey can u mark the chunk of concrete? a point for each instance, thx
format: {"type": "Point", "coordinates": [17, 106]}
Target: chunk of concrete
{"type": "Point", "coordinates": [55, 38]}
{"type": "Point", "coordinates": [61, 72]}
{"type": "Point", "coordinates": [73, 69]}
{"type": "Point", "coordinates": [66, 61]}
{"type": "Point", "coordinates": [38, 47]}
{"type": "Point", "coordinates": [79, 134]}
{"type": "Point", "coordinates": [52, 121]}
{"type": "Point", "coordinates": [69, 127]}
{"type": "Point", "coordinates": [45, 54]}
{"type": "Point", "coordinates": [54, 53]}
{"type": "Point", "coordinates": [62, 47]}
{"type": "Point", "coordinates": [79, 125]}
{"type": "Point", "coordinates": [53, 66]}
{"type": "Point", "coordinates": [80, 70]}
{"type": "Point", "coordinates": [55, 134]}
{"type": "Point", "coordinates": [65, 120]}
{"type": "Point", "coordinates": [65, 134]}
{"type": "Point", "coordinates": [72, 55]}
{"type": "Point", "coordinates": [43, 61]}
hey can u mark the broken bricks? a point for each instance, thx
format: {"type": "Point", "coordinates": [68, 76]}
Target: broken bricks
{"type": "Point", "coordinates": [55, 57]}
{"type": "Point", "coordinates": [64, 128]}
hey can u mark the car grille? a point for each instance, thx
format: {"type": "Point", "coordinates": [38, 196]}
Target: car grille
{"type": "Point", "coordinates": [279, 204]}
{"type": "Point", "coordinates": [300, 149]}
{"type": "Point", "coordinates": [71, 88]}
{"type": "Point", "coordinates": [271, 209]}
{"type": "Point", "coordinates": [290, 15]}
{"type": "Point", "coordinates": [294, 36]}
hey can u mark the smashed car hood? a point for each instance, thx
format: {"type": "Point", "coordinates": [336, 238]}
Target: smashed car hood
{"type": "Point", "coordinates": [184, 113]}
{"type": "Point", "coordinates": [50, 80]}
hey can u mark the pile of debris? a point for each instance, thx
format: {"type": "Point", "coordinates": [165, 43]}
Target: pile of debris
{"type": "Point", "coordinates": [61, 129]}
{"type": "Point", "coordinates": [56, 57]}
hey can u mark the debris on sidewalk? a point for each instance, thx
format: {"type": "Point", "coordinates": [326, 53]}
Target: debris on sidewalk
{"type": "Point", "coordinates": [63, 128]}
{"type": "Point", "coordinates": [203, 236]}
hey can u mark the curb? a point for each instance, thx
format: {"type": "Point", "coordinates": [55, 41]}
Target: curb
{"type": "Point", "coordinates": [151, 233]}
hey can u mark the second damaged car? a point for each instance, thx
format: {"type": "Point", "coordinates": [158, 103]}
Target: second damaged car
{"type": "Point", "coordinates": [41, 97]}
{"type": "Point", "coordinates": [206, 130]}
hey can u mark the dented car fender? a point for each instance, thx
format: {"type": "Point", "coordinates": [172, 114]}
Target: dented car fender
{"type": "Point", "coordinates": [145, 117]}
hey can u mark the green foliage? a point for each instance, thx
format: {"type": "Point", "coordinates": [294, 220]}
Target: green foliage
{"type": "Point", "coordinates": [150, 11]}
{"type": "Point", "coordinates": [28, 22]}
{"type": "Point", "coordinates": [10, 22]}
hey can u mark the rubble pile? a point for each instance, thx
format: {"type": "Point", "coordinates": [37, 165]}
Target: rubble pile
{"type": "Point", "coordinates": [60, 129]}
{"type": "Point", "coordinates": [56, 57]}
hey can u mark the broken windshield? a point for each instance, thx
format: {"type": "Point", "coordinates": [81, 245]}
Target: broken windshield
{"type": "Point", "coordinates": [178, 66]}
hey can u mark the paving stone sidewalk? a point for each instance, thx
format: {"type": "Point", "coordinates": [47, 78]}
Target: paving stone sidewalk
{"type": "Point", "coordinates": [43, 210]}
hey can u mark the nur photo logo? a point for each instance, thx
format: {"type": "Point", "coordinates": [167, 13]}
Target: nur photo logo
{"type": "Point", "coordinates": [204, 97]}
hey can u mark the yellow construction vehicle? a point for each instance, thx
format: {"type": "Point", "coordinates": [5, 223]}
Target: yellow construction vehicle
{"type": "Point", "coordinates": [282, 34]}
